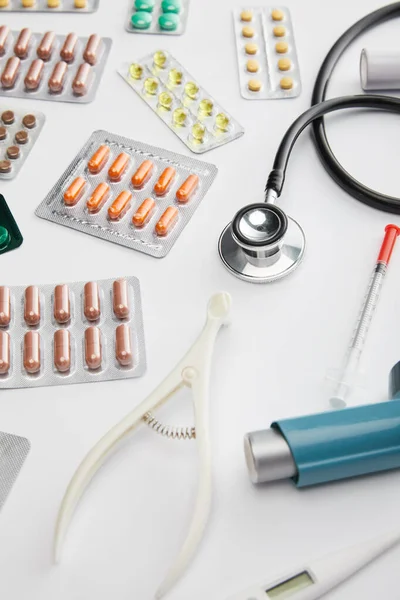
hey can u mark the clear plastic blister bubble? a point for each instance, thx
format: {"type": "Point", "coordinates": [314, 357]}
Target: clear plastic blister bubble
{"type": "Point", "coordinates": [19, 131]}
{"type": "Point", "coordinates": [168, 17]}
{"type": "Point", "coordinates": [51, 6]}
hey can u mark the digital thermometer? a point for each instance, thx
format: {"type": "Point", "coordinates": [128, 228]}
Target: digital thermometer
{"type": "Point", "coordinates": [313, 581]}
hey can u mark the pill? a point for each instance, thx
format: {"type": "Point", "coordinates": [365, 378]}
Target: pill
{"type": "Point", "coordinates": [120, 205]}
{"type": "Point", "coordinates": [10, 72]}
{"type": "Point", "coordinates": [62, 350]}
{"type": "Point", "coordinates": [5, 166]}
{"type": "Point", "coordinates": [119, 166]}
{"type": "Point", "coordinates": [171, 6]}
{"type": "Point", "coordinates": [141, 20]}
{"type": "Point", "coordinates": [91, 301]}
{"type": "Point", "coordinates": [279, 31]}
{"type": "Point", "coordinates": [142, 174]}
{"type": "Point", "coordinates": [136, 71]}
{"type": "Point", "coordinates": [81, 80]}
{"type": "Point", "coordinates": [5, 306]}
{"type": "Point", "coordinates": [67, 52]}
{"type": "Point", "coordinates": [93, 350]}
{"type": "Point", "coordinates": [159, 59]}
{"type": "Point", "coordinates": [191, 90]}
{"type": "Point", "coordinates": [169, 22]}
{"type": "Point", "coordinates": [29, 121]}
{"type": "Point", "coordinates": [56, 80]}
{"type": "Point", "coordinates": [53, 3]}
{"type": "Point", "coordinates": [254, 85]}
{"type": "Point", "coordinates": [28, 3]}
{"type": "Point", "coordinates": [22, 44]}
{"type": "Point", "coordinates": [31, 357]}
{"type": "Point", "coordinates": [198, 132]}
{"type": "Point", "coordinates": [4, 352]}
{"type": "Point", "coordinates": [123, 345]}
{"type": "Point", "coordinates": [143, 213]}
{"type": "Point", "coordinates": [167, 221]}
{"type": "Point", "coordinates": [92, 49]}
{"type": "Point", "coordinates": [286, 83]}
{"type": "Point", "coordinates": [277, 14]}
{"type": "Point", "coordinates": [164, 182]}
{"type": "Point", "coordinates": [8, 117]}
{"type": "Point", "coordinates": [248, 32]}
{"type": "Point", "coordinates": [205, 107]}
{"type": "Point", "coordinates": [13, 152]}
{"type": "Point", "coordinates": [62, 305]}
{"type": "Point", "coordinates": [4, 33]}
{"type": "Point", "coordinates": [3, 133]}
{"type": "Point", "coordinates": [5, 238]}
{"type": "Point", "coordinates": [21, 137]}
{"type": "Point", "coordinates": [45, 47]}
{"type": "Point", "coordinates": [34, 75]}
{"type": "Point", "coordinates": [32, 305]}
{"type": "Point", "coordinates": [151, 85]}
{"type": "Point", "coordinates": [222, 121]}
{"type": "Point", "coordinates": [175, 76]}
{"type": "Point", "coordinates": [179, 116]}
{"type": "Point", "coordinates": [146, 5]}
{"type": "Point", "coordinates": [80, 3]}
{"type": "Point", "coordinates": [251, 48]}
{"type": "Point", "coordinates": [98, 198]}
{"type": "Point", "coordinates": [252, 66]}
{"type": "Point", "coordinates": [120, 299]}
{"type": "Point", "coordinates": [187, 189]}
{"type": "Point", "coordinates": [75, 191]}
{"type": "Point", "coordinates": [281, 47]}
{"type": "Point", "coordinates": [4, 3]}
{"type": "Point", "coordinates": [165, 100]}
{"type": "Point", "coordinates": [99, 159]}
{"type": "Point", "coordinates": [246, 15]}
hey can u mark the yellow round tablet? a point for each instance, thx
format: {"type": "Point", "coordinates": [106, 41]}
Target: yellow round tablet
{"type": "Point", "coordinates": [279, 31]}
{"type": "Point", "coordinates": [246, 15]}
{"type": "Point", "coordinates": [284, 64]}
{"type": "Point", "coordinates": [254, 85]}
{"type": "Point", "coordinates": [252, 66]}
{"type": "Point", "coordinates": [277, 15]}
{"type": "Point", "coordinates": [281, 47]}
{"type": "Point", "coordinates": [251, 48]}
{"type": "Point", "coordinates": [248, 32]}
{"type": "Point", "coordinates": [286, 83]}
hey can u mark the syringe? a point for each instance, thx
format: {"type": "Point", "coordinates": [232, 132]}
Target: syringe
{"type": "Point", "coordinates": [346, 377]}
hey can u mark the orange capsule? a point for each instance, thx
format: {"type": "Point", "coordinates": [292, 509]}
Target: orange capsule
{"type": "Point", "coordinates": [120, 205]}
{"type": "Point", "coordinates": [34, 74]}
{"type": "Point", "coordinates": [81, 80]}
{"type": "Point", "coordinates": [62, 305]}
{"type": "Point", "coordinates": [45, 47]}
{"type": "Point", "coordinates": [143, 213]}
{"type": "Point", "coordinates": [98, 198]}
{"type": "Point", "coordinates": [10, 72]}
{"type": "Point", "coordinates": [164, 181]}
{"type": "Point", "coordinates": [119, 167]}
{"type": "Point", "coordinates": [142, 174]}
{"type": "Point", "coordinates": [62, 350]}
{"type": "Point", "coordinates": [187, 189]}
{"type": "Point", "coordinates": [99, 159]}
{"type": "Point", "coordinates": [167, 221]}
{"type": "Point", "coordinates": [5, 306]}
{"type": "Point", "coordinates": [75, 191]}
{"type": "Point", "coordinates": [32, 305]}
{"type": "Point", "coordinates": [4, 352]}
{"type": "Point", "coordinates": [22, 44]}
{"type": "Point", "coordinates": [92, 49]}
{"type": "Point", "coordinates": [91, 301]}
{"type": "Point", "coordinates": [123, 345]}
{"type": "Point", "coordinates": [56, 80]}
{"type": "Point", "coordinates": [4, 33]}
{"type": "Point", "coordinates": [120, 299]}
{"type": "Point", "coordinates": [31, 357]}
{"type": "Point", "coordinates": [93, 350]}
{"type": "Point", "coordinates": [67, 52]}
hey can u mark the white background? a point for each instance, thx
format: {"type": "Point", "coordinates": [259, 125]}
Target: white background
{"type": "Point", "coordinates": [271, 363]}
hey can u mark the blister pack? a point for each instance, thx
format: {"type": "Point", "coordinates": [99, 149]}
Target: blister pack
{"type": "Point", "coordinates": [62, 68]}
{"type": "Point", "coordinates": [157, 16]}
{"type": "Point", "coordinates": [10, 235]}
{"type": "Point", "coordinates": [72, 6]}
{"type": "Point", "coordinates": [180, 101]}
{"type": "Point", "coordinates": [266, 52]}
{"type": "Point", "coordinates": [19, 131]}
{"type": "Point", "coordinates": [71, 333]}
{"type": "Point", "coordinates": [129, 193]}
{"type": "Point", "coordinates": [13, 453]}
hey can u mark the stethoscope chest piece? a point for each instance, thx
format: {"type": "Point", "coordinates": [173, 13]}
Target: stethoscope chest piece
{"type": "Point", "coordinates": [261, 244]}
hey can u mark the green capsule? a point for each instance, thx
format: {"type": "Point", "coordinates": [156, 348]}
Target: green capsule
{"type": "Point", "coordinates": [198, 132]}
{"type": "Point", "coordinates": [151, 85]}
{"type": "Point", "coordinates": [165, 100]}
{"type": "Point", "coordinates": [136, 71]}
{"type": "Point", "coordinates": [159, 59]}
{"type": "Point", "coordinates": [205, 107]}
{"type": "Point", "coordinates": [222, 121]}
{"type": "Point", "coordinates": [145, 5]}
{"type": "Point", "coordinates": [4, 238]}
{"type": "Point", "coordinates": [179, 116]}
{"type": "Point", "coordinates": [191, 90]}
{"type": "Point", "coordinates": [175, 76]}
{"type": "Point", "coordinates": [169, 22]}
{"type": "Point", "coordinates": [171, 6]}
{"type": "Point", "coordinates": [141, 20]}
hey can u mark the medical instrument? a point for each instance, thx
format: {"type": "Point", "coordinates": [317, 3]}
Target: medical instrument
{"type": "Point", "coordinates": [192, 371]}
{"type": "Point", "coordinates": [13, 452]}
{"type": "Point", "coordinates": [379, 70]}
{"type": "Point", "coordinates": [10, 235]}
{"type": "Point", "coordinates": [346, 377]}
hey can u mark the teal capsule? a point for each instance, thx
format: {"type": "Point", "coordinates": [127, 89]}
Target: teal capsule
{"type": "Point", "coordinates": [4, 238]}
{"type": "Point", "coordinates": [145, 5]}
{"type": "Point", "coordinates": [171, 6]}
{"type": "Point", "coordinates": [141, 20]}
{"type": "Point", "coordinates": [169, 22]}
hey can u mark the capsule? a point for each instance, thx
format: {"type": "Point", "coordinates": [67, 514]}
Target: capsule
{"type": "Point", "coordinates": [143, 213]}
{"type": "Point", "coordinates": [167, 221]}
{"type": "Point", "coordinates": [22, 44]}
{"type": "Point", "coordinates": [164, 181]}
{"type": "Point", "coordinates": [75, 191]}
{"type": "Point", "coordinates": [93, 351]}
{"type": "Point", "coordinates": [56, 80]}
{"type": "Point", "coordinates": [142, 174]}
{"type": "Point", "coordinates": [81, 79]}
{"type": "Point", "coordinates": [4, 352]}
{"type": "Point", "coordinates": [10, 72]}
{"type": "Point", "coordinates": [31, 357]}
{"type": "Point", "coordinates": [99, 159]}
{"type": "Point", "coordinates": [120, 299]}
{"type": "Point", "coordinates": [92, 48]}
{"type": "Point", "coordinates": [120, 205]}
{"type": "Point", "coordinates": [4, 33]}
{"type": "Point", "coordinates": [67, 52]}
{"type": "Point", "coordinates": [123, 345]}
{"type": "Point", "coordinates": [98, 198]}
{"type": "Point", "coordinates": [119, 167]}
{"type": "Point", "coordinates": [32, 305]}
{"type": "Point", "coordinates": [187, 189]}
{"type": "Point", "coordinates": [45, 47]}
{"type": "Point", "coordinates": [62, 305]}
{"type": "Point", "coordinates": [91, 301]}
{"type": "Point", "coordinates": [62, 350]}
{"type": "Point", "coordinates": [5, 306]}
{"type": "Point", "coordinates": [34, 75]}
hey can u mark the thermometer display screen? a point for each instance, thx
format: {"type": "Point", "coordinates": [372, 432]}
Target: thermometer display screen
{"type": "Point", "coordinates": [289, 587]}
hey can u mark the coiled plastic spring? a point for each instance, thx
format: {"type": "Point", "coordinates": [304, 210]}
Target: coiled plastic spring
{"type": "Point", "coordinates": [173, 433]}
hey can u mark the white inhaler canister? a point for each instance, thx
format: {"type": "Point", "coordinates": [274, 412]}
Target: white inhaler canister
{"type": "Point", "coordinates": [380, 70]}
